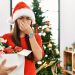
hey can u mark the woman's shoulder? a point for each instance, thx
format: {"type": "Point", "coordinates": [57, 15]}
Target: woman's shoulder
{"type": "Point", "coordinates": [7, 35]}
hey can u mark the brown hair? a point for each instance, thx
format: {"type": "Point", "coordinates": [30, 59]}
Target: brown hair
{"type": "Point", "coordinates": [16, 39]}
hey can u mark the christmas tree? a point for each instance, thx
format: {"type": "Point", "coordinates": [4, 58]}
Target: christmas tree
{"type": "Point", "coordinates": [44, 67]}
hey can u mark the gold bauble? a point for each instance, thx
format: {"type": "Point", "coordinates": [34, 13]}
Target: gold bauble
{"type": "Point", "coordinates": [57, 52]}
{"type": "Point", "coordinates": [47, 29]}
{"type": "Point", "coordinates": [49, 45]}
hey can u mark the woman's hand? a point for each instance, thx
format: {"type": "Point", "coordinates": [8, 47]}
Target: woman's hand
{"type": "Point", "coordinates": [6, 70]}
{"type": "Point", "coordinates": [24, 26]}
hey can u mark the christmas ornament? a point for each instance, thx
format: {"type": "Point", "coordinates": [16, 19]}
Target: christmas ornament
{"type": "Point", "coordinates": [46, 55]}
{"type": "Point", "coordinates": [17, 49]}
{"type": "Point", "coordinates": [2, 43]}
{"type": "Point", "coordinates": [44, 46]}
{"type": "Point", "coordinates": [48, 23]}
{"type": "Point", "coordinates": [40, 34]}
{"type": "Point", "coordinates": [40, 28]}
{"type": "Point", "coordinates": [49, 45]}
{"type": "Point", "coordinates": [3, 40]}
{"type": "Point", "coordinates": [57, 51]}
{"type": "Point", "coordinates": [8, 50]}
{"type": "Point", "coordinates": [43, 34]}
{"type": "Point", "coordinates": [47, 29]}
{"type": "Point", "coordinates": [45, 26]}
{"type": "Point", "coordinates": [39, 62]}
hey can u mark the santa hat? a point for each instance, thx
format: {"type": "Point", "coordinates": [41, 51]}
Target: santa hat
{"type": "Point", "coordinates": [22, 9]}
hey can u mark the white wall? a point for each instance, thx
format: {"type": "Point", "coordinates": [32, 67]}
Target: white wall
{"type": "Point", "coordinates": [67, 24]}
{"type": "Point", "coordinates": [4, 14]}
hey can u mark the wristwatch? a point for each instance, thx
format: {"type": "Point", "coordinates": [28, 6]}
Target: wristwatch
{"type": "Point", "coordinates": [31, 35]}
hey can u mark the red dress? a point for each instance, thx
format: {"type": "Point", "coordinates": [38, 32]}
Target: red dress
{"type": "Point", "coordinates": [29, 65]}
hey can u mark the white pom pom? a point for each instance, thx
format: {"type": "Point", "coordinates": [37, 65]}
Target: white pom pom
{"type": "Point", "coordinates": [10, 20]}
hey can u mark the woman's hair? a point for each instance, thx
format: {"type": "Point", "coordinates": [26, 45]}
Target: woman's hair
{"type": "Point", "coordinates": [16, 39]}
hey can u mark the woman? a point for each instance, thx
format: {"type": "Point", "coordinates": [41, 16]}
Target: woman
{"type": "Point", "coordinates": [6, 70]}
{"type": "Point", "coordinates": [23, 36]}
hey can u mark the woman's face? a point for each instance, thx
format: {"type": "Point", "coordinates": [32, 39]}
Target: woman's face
{"type": "Point", "coordinates": [25, 19]}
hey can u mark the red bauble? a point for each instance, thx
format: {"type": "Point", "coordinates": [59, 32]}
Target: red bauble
{"type": "Point", "coordinates": [17, 49]}
{"type": "Point", "coordinates": [49, 45]}
{"type": "Point", "coordinates": [8, 50]}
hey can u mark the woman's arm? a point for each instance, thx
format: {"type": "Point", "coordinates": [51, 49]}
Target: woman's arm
{"type": "Point", "coordinates": [36, 45]}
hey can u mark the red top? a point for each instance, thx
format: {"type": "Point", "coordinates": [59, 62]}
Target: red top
{"type": "Point", "coordinates": [29, 65]}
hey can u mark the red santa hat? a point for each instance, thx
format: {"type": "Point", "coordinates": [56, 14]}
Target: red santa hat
{"type": "Point", "coordinates": [22, 9]}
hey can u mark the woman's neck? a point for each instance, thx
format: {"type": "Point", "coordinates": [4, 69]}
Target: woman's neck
{"type": "Point", "coordinates": [22, 34]}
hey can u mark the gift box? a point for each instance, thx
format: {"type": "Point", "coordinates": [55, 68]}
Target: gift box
{"type": "Point", "coordinates": [15, 59]}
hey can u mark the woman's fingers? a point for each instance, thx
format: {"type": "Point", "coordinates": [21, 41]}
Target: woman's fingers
{"type": "Point", "coordinates": [6, 70]}
{"type": "Point", "coordinates": [25, 26]}
{"type": "Point", "coordinates": [3, 62]}
{"type": "Point", "coordinates": [10, 69]}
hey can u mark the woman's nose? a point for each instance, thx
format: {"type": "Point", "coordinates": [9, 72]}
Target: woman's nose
{"type": "Point", "coordinates": [24, 19]}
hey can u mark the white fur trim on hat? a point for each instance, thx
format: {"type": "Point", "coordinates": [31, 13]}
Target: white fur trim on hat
{"type": "Point", "coordinates": [24, 12]}
{"type": "Point", "coordinates": [10, 20]}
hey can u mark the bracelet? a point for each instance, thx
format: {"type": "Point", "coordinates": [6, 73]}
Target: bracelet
{"type": "Point", "coordinates": [31, 35]}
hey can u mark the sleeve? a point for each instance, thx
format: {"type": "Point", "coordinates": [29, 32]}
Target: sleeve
{"type": "Point", "coordinates": [39, 41]}
{"type": "Point", "coordinates": [9, 40]}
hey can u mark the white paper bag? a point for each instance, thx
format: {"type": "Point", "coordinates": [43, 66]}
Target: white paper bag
{"type": "Point", "coordinates": [24, 52]}
{"type": "Point", "coordinates": [15, 59]}
{"type": "Point", "coordinates": [12, 60]}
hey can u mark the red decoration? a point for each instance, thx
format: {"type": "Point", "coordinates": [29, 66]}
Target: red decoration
{"type": "Point", "coordinates": [48, 23]}
{"type": "Point", "coordinates": [17, 49]}
{"type": "Point", "coordinates": [8, 50]}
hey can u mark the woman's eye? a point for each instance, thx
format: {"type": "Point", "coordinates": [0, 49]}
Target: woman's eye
{"type": "Point", "coordinates": [28, 18]}
{"type": "Point", "coordinates": [21, 18]}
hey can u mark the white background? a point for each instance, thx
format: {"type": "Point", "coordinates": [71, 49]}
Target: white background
{"type": "Point", "coordinates": [67, 24]}
{"type": "Point", "coordinates": [4, 14]}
